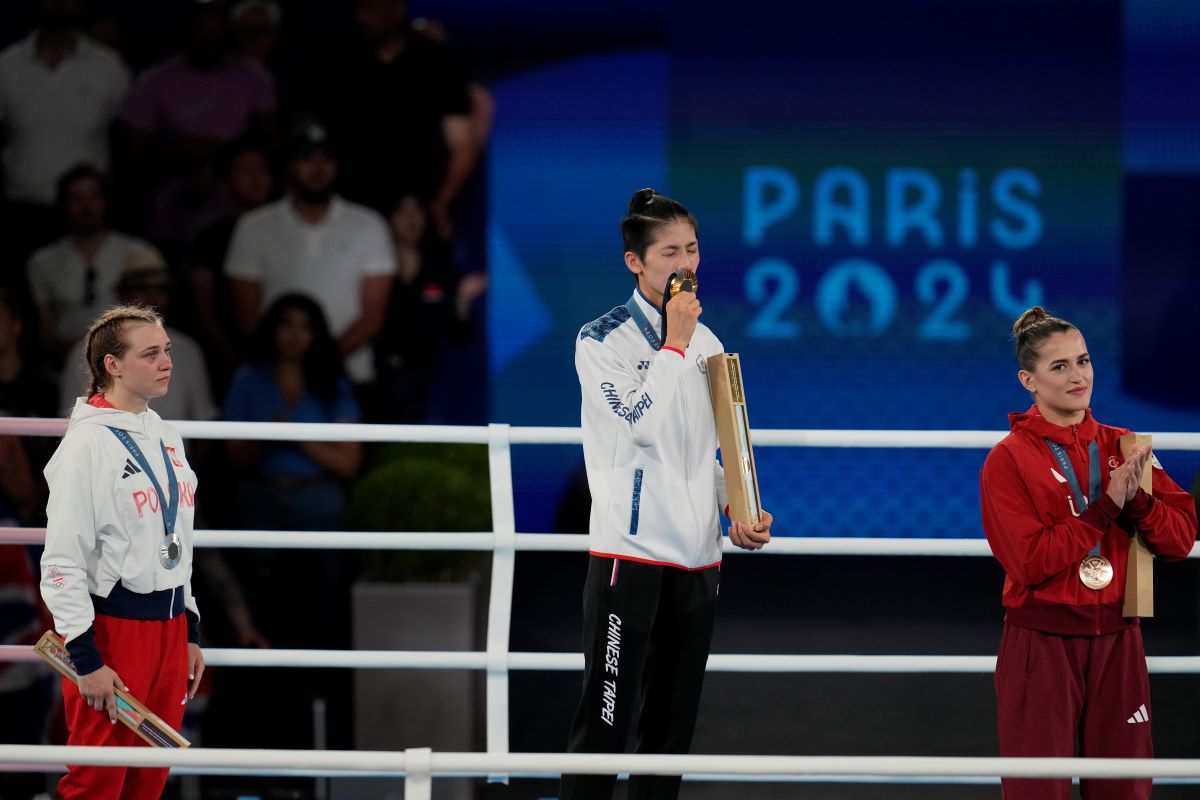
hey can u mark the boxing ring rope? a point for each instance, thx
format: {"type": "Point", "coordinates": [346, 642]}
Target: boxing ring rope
{"type": "Point", "coordinates": [419, 765]}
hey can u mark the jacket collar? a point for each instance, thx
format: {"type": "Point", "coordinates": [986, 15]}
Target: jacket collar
{"type": "Point", "coordinates": [1033, 422]}
{"type": "Point", "coordinates": [652, 312]}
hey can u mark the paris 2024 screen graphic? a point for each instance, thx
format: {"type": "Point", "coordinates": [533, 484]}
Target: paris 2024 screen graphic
{"type": "Point", "coordinates": [881, 189]}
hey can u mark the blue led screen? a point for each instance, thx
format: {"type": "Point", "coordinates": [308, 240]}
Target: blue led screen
{"type": "Point", "coordinates": [881, 189]}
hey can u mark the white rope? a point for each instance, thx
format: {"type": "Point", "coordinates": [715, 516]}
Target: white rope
{"type": "Point", "coordinates": [328, 762]}
{"type": "Point", "coordinates": [497, 661]}
{"type": "Point", "coordinates": [547, 542]}
{"type": "Point", "coordinates": [565, 662]}
{"type": "Point", "coordinates": [477, 434]}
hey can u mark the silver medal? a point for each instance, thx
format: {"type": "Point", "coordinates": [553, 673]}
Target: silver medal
{"type": "Point", "coordinates": [170, 551]}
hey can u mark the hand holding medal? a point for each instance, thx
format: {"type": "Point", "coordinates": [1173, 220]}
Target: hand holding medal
{"type": "Point", "coordinates": [680, 309]}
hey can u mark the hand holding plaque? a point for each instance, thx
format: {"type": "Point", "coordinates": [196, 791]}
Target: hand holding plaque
{"type": "Point", "coordinates": [1139, 569]}
{"type": "Point", "coordinates": [144, 722]}
{"type": "Point", "coordinates": [733, 433]}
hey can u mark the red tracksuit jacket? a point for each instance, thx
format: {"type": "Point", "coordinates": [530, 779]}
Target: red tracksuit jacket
{"type": "Point", "coordinates": [1031, 525]}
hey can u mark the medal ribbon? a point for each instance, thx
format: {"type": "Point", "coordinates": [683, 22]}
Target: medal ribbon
{"type": "Point", "coordinates": [639, 318]}
{"type": "Point", "coordinates": [170, 509]}
{"type": "Point", "coordinates": [1064, 463]}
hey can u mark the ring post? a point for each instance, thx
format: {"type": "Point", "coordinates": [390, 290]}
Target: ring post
{"type": "Point", "coordinates": [504, 529]}
{"type": "Point", "coordinates": [418, 773]}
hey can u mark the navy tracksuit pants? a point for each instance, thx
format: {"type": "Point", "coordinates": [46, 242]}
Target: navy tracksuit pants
{"type": "Point", "coordinates": [646, 634]}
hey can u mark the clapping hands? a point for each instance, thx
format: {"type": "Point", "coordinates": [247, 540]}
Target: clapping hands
{"type": "Point", "coordinates": [1124, 481]}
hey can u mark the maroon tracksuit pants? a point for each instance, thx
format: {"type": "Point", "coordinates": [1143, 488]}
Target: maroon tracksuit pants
{"type": "Point", "coordinates": [150, 658]}
{"type": "Point", "coordinates": [1052, 688]}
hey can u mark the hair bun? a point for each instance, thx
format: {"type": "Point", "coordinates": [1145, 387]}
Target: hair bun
{"type": "Point", "coordinates": [641, 198]}
{"type": "Point", "coordinates": [1031, 317]}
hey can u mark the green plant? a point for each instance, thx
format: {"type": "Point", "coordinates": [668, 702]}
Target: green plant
{"type": "Point", "coordinates": [414, 487]}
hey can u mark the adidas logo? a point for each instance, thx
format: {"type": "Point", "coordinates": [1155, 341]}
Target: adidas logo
{"type": "Point", "coordinates": [130, 469]}
{"type": "Point", "coordinates": [1141, 715]}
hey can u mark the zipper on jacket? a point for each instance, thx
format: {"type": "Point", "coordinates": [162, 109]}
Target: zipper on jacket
{"type": "Point", "coordinates": [687, 454]}
{"type": "Point", "coordinates": [687, 461]}
{"type": "Point", "coordinates": [635, 504]}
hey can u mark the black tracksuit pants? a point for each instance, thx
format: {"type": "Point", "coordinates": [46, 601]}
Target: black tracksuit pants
{"type": "Point", "coordinates": [647, 630]}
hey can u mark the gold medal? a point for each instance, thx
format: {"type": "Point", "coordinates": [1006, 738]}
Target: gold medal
{"type": "Point", "coordinates": [683, 281]}
{"type": "Point", "coordinates": [1095, 572]}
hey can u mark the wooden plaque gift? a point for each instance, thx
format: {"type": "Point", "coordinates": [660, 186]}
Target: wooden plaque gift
{"type": "Point", "coordinates": [733, 433]}
{"type": "Point", "coordinates": [1139, 571]}
{"type": "Point", "coordinates": [144, 722]}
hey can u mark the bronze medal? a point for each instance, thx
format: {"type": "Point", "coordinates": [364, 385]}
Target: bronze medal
{"type": "Point", "coordinates": [1095, 572]}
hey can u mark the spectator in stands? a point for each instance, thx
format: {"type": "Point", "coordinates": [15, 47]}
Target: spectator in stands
{"type": "Point", "coordinates": [26, 390]}
{"type": "Point", "coordinates": [101, 23]}
{"type": "Point", "coordinates": [73, 279]}
{"type": "Point", "coordinates": [313, 241]}
{"type": "Point", "coordinates": [25, 688]}
{"type": "Point", "coordinates": [407, 125]}
{"type": "Point", "coordinates": [59, 92]}
{"type": "Point", "coordinates": [295, 375]}
{"type": "Point", "coordinates": [180, 111]}
{"type": "Point", "coordinates": [145, 281]}
{"type": "Point", "coordinates": [188, 201]}
{"type": "Point", "coordinates": [430, 303]}
{"type": "Point", "coordinates": [250, 183]}
{"type": "Point", "coordinates": [255, 26]}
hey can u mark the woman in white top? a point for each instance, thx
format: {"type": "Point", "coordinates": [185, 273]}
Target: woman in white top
{"type": "Point", "coordinates": [116, 570]}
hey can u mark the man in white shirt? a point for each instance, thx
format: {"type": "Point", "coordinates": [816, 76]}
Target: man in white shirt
{"type": "Point", "coordinates": [313, 241]}
{"type": "Point", "coordinates": [145, 281]}
{"type": "Point", "coordinates": [73, 280]}
{"type": "Point", "coordinates": [59, 92]}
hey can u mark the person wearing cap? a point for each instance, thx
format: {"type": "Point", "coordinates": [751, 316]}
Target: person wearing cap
{"type": "Point", "coordinates": [74, 279]}
{"type": "Point", "coordinates": [145, 281]}
{"type": "Point", "coordinates": [314, 242]}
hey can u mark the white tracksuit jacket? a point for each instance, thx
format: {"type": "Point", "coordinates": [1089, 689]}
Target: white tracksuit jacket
{"type": "Point", "coordinates": [649, 441]}
{"type": "Point", "coordinates": [104, 521]}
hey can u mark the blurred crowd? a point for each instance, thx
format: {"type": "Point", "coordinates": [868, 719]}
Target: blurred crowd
{"type": "Point", "coordinates": [311, 230]}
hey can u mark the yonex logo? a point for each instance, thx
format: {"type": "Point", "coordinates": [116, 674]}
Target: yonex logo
{"type": "Point", "coordinates": [1141, 715]}
{"type": "Point", "coordinates": [130, 469]}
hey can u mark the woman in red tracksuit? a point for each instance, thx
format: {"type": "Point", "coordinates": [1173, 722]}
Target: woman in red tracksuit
{"type": "Point", "coordinates": [1060, 504]}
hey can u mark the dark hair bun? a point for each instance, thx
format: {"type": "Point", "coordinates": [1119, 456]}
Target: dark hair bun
{"type": "Point", "coordinates": [1030, 317]}
{"type": "Point", "coordinates": [641, 198]}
